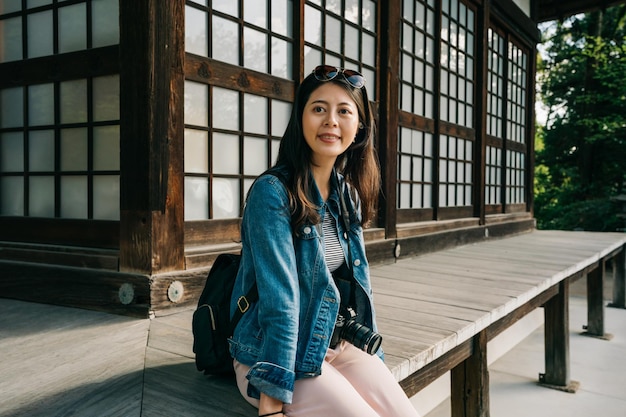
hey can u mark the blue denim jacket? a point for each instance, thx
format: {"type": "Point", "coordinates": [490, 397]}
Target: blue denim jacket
{"type": "Point", "coordinates": [284, 336]}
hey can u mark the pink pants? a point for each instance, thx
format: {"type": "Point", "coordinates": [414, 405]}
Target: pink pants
{"type": "Point", "coordinates": [352, 383]}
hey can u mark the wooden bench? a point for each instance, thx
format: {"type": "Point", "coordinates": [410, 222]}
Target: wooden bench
{"type": "Point", "coordinates": [468, 295]}
{"type": "Point", "coordinates": [436, 313]}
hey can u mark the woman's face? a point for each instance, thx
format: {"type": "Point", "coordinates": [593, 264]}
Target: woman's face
{"type": "Point", "coordinates": [330, 122]}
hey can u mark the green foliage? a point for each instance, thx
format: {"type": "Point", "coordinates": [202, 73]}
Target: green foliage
{"type": "Point", "coordinates": [581, 152]}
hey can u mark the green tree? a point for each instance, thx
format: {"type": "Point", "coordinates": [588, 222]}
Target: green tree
{"type": "Point", "coordinates": [581, 157]}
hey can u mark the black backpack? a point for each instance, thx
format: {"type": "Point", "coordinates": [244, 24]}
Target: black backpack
{"type": "Point", "coordinates": [211, 323]}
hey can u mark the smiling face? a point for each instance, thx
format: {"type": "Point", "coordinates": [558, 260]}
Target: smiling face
{"type": "Point", "coordinates": [330, 122]}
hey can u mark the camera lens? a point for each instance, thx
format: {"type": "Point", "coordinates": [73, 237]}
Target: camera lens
{"type": "Point", "coordinates": [362, 337]}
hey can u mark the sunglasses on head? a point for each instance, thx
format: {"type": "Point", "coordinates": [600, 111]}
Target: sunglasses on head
{"type": "Point", "coordinates": [328, 72]}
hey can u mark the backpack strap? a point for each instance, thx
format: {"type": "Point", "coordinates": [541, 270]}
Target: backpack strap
{"type": "Point", "coordinates": [245, 301]}
{"type": "Point", "coordinates": [243, 304]}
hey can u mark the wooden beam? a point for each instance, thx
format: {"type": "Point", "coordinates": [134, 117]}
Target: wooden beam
{"type": "Point", "coordinates": [480, 148]}
{"type": "Point", "coordinates": [151, 136]}
{"type": "Point", "coordinates": [391, 12]}
{"type": "Point", "coordinates": [433, 370]}
{"type": "Point", "coordinates": [619, 280]}
{"type": "Point", "coordinates": [557, 372]}
{"type": "Point", "coordinates": [558, 9]}
{"type": "Point", "coordinates": [595, 302]}
{"type": "Point", "coordinates": [470, 382]}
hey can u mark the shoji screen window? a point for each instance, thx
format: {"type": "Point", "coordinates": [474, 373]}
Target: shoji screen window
{"type": "Point", "coordinates": [457, 63]}
{"type": "Point", "coordinates": [455, 171]}
{"type": "Point", "coordinates": [493, 177]}
{"type": "Point", "coordinates": [417, 76]}
{"type": "Point", "coordinates": [517, 104]}
{"type": "Point", "coordinates": [496, 82]}
{"type": "Point", "coordinates": [415, 169]}
{"type": "Point", "coordinates": [47, 27]}
{"type": "Point", "coordinates": [230, 138]}
{"type": "Point", "coordinates": [59, 132]}
{"type": "Point", "coordinates": [218, 28]}
{"type": "Point", "coordinates": [515, 177]}
{"type": "Point", "coordinates": [60, 149]}
{"type": "Point", "coordinates": [456, 109]}
{"type": "Point", "coordinates": [342, 33]}
{"type": "Point", "coordinates": [506, 161]}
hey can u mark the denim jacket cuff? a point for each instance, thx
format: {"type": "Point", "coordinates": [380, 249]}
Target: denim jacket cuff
{"type": "Point", "coordinates": [272, 380]}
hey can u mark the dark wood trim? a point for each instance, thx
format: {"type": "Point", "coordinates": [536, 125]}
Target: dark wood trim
{"type": "Point", "coordinates": [451, 129]}
{"type": "Point", "coordinates": [152, 35]}
{"type": "Point", "coordinates": [421, 228]}
{"type": "Point", "coordinates": [55, 231]}
{"type": "Point", "coordinates": [207, 232]}
{"type": "Point", "coordinates": [504, 323]}
{"type": "Point", "coordinates": [390, 13]}
{"type": "Point", "coordinates": [423, 239]}
{"type": "Point", "coordinates": [208, 71]}
{"type": "Point", "coordinates": [595, 301]}
{"type": "Point", "coordinates": [492, 209]}
{"type": "Point", "coordinates": [557, 9]}
{"type": "Point", "coordinates": [416, 122]}
{"type": "Point", "coordinates": [517, 147]}
{"type": "Point", "coordinates": [96, 258]}
{"type": "Point", "coordinates": [91, 289]}
{"type": "Point", "coordinates": [516, 208]}
{"type": "Point", "coordinates": [447, 213]}
{"type": "Point", "coordinates": [619, 279]}
{"type": "Point", "coordinates": [494, 141]}
{"type": "Point", "coordinates": [429, 373]}
{"type": "Point", "coordinates": [480, 149]}
{"type": "Point", "coordinates": [61, 67]}
{"type": "Point", "coordinates": [413, 215]}
{"type": "Point", "coordinates": [469, 382]}
{"type": "Point", "coordinates": [530, 123]}
{"type": "Point", "coordinates": [556, 312]}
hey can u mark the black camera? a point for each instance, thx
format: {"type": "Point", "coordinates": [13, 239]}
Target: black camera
{"type": "Point", "coordinates": [361, 336]}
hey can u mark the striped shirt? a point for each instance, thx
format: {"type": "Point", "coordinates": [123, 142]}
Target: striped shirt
{"type": "Point", "coordinates": [333, 252]}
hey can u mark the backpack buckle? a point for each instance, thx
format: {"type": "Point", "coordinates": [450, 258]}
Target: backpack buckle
{"type": "Point", "coordinates": [243, 304]}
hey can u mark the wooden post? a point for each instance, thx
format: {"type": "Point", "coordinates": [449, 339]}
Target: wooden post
{"type": "Point", "coordinates": [619, 278]}
{"type": "Point", "coordinates": [151, 136]}
{"type": "Point", "coordinates": [595, 302]}
{"type": "Point", "coordinates": [470, 382]}
{"type": "Point", "coordinates": [388, 120]}
{"type": "Point", "coordinates": [556, 313]}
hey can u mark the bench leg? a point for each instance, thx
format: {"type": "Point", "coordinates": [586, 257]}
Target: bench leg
{"type": "Point", "coordinates": [619, 280]}
{"type": "Point", "coordinates": [595, 303]}
{"type": "Point", "coordinates": [556, 313]}
{"type": "Point", "coordinates": [470, 382]}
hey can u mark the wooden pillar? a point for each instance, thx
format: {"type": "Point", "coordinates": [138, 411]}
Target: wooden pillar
{"type": "Point", "coordinates": [557, 372]}
{"type": "Point", "coordinates": [595, 302]}
{"type": "Point", "coordinates": [388, 119]}
{"type": "Point", "coordinates": [480, 114]}
{"type": "Point", "coordinates": [619, 278]}
{"type": "Point", "coordinates": [470, 382]}
{"type": "Point", "coordinates": [151, 135]}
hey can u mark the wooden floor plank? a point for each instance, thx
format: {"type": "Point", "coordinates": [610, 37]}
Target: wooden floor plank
{"type": "Point", "coordinates": [70, 361]}
{"type": "Point", "coordinates": [173, 387]}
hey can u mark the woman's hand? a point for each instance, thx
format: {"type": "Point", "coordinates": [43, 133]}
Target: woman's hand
{"type": "Point", "coordinates": [269, 406]}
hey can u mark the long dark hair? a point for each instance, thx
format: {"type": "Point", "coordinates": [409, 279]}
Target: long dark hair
{"type": "Point", "coordinates": [358, 163]}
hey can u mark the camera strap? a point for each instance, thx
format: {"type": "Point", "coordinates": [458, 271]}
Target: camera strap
{"type": "Point", "coordinates": [345, 215]}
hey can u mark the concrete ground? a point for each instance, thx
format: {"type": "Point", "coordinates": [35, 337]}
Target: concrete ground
{"type": "Point", "coordinates": [599, 366]}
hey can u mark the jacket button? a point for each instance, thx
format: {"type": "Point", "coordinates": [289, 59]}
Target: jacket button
{"type": "Point", "coordinates": [307, 230]}
{"type": "Point", "coordinates": [357, 262]}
